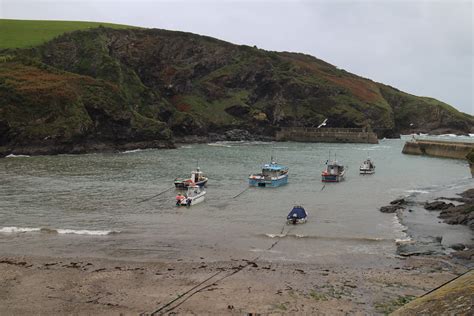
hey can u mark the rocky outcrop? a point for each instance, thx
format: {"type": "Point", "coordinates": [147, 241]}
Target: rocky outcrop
{"type": "Point", "coordinates": [390, 208]}
{"type": "Point", "coordinates": [462, 214]}
{"type": "Point", "coordinates": [437, 205]}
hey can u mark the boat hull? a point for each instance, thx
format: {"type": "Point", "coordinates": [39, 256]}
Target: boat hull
{"type": "Point", "coordinates": [367, 171]}
{"type": "Point", "coordinates": [272, 183]}
{"type": "Point", "coordinates": [183, 184]}
{"type": "Point", "coordinates": [298, 221]}
{"type": "Point", "coordinates": [332, 177]}
{"type": "Point", "coordinates": [195, 200]}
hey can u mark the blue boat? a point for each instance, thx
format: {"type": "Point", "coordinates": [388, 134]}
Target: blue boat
{"type": "Point", "coordinates": [298, 215]}
{"type": "Point", "coordinates": [272, 175]}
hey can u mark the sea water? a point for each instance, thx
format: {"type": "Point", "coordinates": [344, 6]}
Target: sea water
{"type": "Point", "coordinates": [98, 205]}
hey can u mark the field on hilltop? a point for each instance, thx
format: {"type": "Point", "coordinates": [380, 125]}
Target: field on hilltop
{"type": "Point", "coordinates": [27, 33]}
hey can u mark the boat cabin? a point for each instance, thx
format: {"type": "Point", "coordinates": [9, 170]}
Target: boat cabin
{"type": "Point", "coordinates": [273, 170]}
{"type": "Point", "coordinates": [334, 168]}
{"type": "Point", "coordinates": [193, 191]}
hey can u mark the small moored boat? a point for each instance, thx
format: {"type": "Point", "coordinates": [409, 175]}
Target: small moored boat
{"type": "Point", "coordinates": [272, 175]}
{"type": "Point", "coordinates": [367, 167]}
{"type": "Point", "coordinates": [197, 178]}
{"type": "Point", "coordinates": [194, 195]}
{"type": "Point", "coordinates": [334, 172]}
{"type": "Point", "coordinates": [298, 215]}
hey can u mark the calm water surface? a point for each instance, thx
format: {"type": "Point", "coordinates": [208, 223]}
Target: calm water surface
{"type": "Point", "coordinates": [93, 195]}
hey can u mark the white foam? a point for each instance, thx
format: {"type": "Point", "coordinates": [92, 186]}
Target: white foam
{"type": "Point", "coordinates": [275, 235]}
{"type": "Point", "coordinates": [447, 135]}
{"type": "Point", "coordinates": [14, 229]}
{"type": "Point", "coordinates": [219, 144]}
{"type": "Point", "coordinates": [406, 240]}
{"type": "Point", "coordinates": [131, 151]}
{"type": "Point", "coordinates": [86, 232]}
{"type": "Point", "coordinates": [417, 191]}
{"type": "Point", "coordinates": [17, 156]}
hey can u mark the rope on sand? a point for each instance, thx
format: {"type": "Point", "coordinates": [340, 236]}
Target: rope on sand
{"type": "Point", "coordinates": [196, 288]}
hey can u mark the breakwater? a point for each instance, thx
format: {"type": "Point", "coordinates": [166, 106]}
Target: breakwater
{"type": "Point", "coordinates": [327, 135]}
{"type": "Point", "coordinates": [438, 148]}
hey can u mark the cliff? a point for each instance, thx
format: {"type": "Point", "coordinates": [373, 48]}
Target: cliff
{"type": "Point", "coordinates": [144, 86]}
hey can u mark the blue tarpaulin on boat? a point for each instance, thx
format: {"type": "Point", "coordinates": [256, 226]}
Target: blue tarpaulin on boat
{"type": "Point", "coordinates": [299, 211]}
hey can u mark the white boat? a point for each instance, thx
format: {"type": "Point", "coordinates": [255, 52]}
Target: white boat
{"type": "Point", "coordinates": [194, 195]}
{"type": "Point", "coordinates": [367, 167]}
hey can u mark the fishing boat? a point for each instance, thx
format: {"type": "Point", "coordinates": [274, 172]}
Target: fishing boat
{"type": "Point", "coordinates": [367, 167]}
{"type": "Point", "coordinates": [197, 178]}
{"type": "Point", "coordinates": [334, 172]}
{"type": "Point", "coordinates": [272, 175]}
{"type": "Point", "coordinates": [298, 215]}
{"type": "Point", "coordinates": [194, 195]}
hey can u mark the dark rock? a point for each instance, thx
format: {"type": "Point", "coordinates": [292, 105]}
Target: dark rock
{"type": "Point", "coordinates": [238, 110]}
{"type": "Point", "coordinates": [461, 214]}
{"type": "Point", "coordinates": [238, 134]}
{"type": "Point", "coordinates": [464, 255]}
{"type": "Point", "coordinates": [390, 208]}
{"type": "Point", "coordinates": [437, 205]}
{"type": "Point", "coordinates": [469, 194]}
{"type": "Point", "coordinates": [398, 202]}
{"type": "Point", "coordinates": [424, 246]}
{"type": "Point", "coordinates": [458, 247]}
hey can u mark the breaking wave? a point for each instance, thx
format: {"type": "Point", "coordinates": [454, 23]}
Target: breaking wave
{"type": "Point", "coordinates": [239, 143]}
{"type": "Point", "coordinates": [131, 151]}
{"type": "Point", "coordinates": [18, 230]}
{"type": "Point", "coordinates": [17, 156]}
{"type": "Point", "coordinates": [417, 191]}
{"type": "Point", "coordinates": [369, 239]}
{"type": "Point", "coordinates": [14, 229]}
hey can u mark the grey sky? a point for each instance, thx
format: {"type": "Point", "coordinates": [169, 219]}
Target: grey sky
{"type": "Point", "coordinates": [421, 47]}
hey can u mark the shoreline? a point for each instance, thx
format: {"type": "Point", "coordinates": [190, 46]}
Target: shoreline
{"type": "Point", "coordinates": [91, 286]}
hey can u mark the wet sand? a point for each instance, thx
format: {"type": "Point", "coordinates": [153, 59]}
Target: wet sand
{"type": "Point", "coordinates": [368, 285]}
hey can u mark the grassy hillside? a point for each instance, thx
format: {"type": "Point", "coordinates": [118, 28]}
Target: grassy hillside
{"type": "Point", "coordinates": [121, 85]}
{"type": "Point", "coordinates": [27, 33]}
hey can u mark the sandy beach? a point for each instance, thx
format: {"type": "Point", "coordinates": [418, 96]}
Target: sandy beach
{"type": "Point", "coordinates": [375, 285]}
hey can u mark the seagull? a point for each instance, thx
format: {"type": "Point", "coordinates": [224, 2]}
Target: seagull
{"type": "Point", "coordinates": [323, 123]}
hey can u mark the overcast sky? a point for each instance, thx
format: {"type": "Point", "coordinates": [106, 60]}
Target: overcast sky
{"type": "Point", "coordinates": [421, 47]}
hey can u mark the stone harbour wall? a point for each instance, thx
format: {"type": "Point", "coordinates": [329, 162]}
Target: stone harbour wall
{"type": "Point", "coordinates": [446, 149]}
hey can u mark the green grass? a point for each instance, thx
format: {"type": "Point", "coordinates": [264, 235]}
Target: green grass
{"type": "Point", "coordinates": [388, 307]}
{"type": "Point", "coordinates": [26, 33]}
